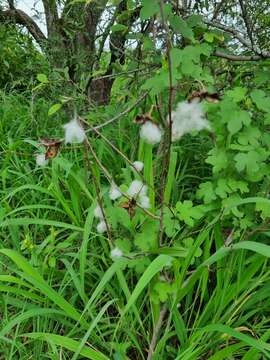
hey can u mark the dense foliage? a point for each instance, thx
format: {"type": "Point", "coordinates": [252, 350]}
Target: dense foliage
{"type": "Point", "coordinates": [135, 181]}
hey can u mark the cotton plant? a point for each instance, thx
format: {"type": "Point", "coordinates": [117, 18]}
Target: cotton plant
{"type": "Point", "coordinates": [101, 226]}
{"type": "Point", "coordinates": [74, 133]}
{"type": "Point", "coordinates": [188, 117]}
{"type": "Point", "coordinates": [138, 165]}
{"type": "Point", "coordinates": [116, 253]}
{"type": "Point", "coordinates": [41, 160]}
{"type": "Point", "coordinates": [151, 133]}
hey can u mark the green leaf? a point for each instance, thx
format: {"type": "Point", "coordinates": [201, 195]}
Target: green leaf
{"type": "Point", "coordinates": [250, 161]}
{"type": "Point", "coordinates": [119, 28]}
{"type": "Point", "coordinates": [42, 78]}
{"type": "Point", "coordinates": [180, 26]}
{"type": "Point", "coordinates": [261, 100]}
{"type": "Point", "coordinates": [206, 192]}
{"type": "Point", "coordinates": [187, 212]}
{"type": "Point", "coordinates": [237, 94]}
{"type": "Point", "coordinates": [250, 135]}
{"type": "Point", "coordinates": [156, 265]}
{"type": "Point", "coordinates": [69, 344]}
{"type": "Point", "coordinates": [195, 20]}
{"type": "Point", "coordinates": [264, 208]}
{"type": "Point", "coordinates": [237, 120]}
{"type": "Point", "coordinates": [170, 223]}
{"type": "Point", "coordinates": [218, 159]}
{"type": "Point", "coordinates": [146, 239]}
{"type": "Point", "coordinates": [53, 109]}
{"type": "Point", "coordinates": [149, 9]}
{"type": "Point", "coordinates": [37, 280]}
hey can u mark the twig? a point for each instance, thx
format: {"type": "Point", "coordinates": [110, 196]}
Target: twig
{"type": "Point", "coordinates": [117, 117]}
{"type": "Point", "coordinates": [156, 330]}
{"type": "Point", "coordinates": [111, 180]}
{"type": "Point", "coordinates": [240, 57]}
{"type": "Point", "coordinates": [88, 146]}
{"type": "Point", "coordinates": [167, 155]}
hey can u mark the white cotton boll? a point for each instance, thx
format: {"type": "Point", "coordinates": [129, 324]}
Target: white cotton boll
{"type": "Point", "coordinates": [138, 165]}
{"type": "Point", "coordinates": [150, 133]}
{"type": "Point", "coordinates": [136, 188]}
{"type": "Point", "coordinates": [144, 202]}
{"type": "Point", "coordinates": [41, 160]}
{"type": "Point", "coordinates": [116, 253]}
{"type": "Point", "coordinates": [188, 117]}
{"type": "Point", "coordinates": [74, 133]}
{"type": "Point", "coordinates": [98, 212]}
{"type": "Point", "coordinates": [101, 227]}
{"type": "Point", "coordinates": [114, 192]}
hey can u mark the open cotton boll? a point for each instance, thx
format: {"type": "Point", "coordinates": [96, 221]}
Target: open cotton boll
{"type": "Point", "coordinates": [98, 212]}
{"type": "Point", "coordinates": [150, 133]}
{"type": "Point", "coordinates": [144, 202]}
{"type": "Point", "coordinates": [74, 133]}
{"type": "Point", "coordinates": [101, 227]}
{"type": "Point", "coordinates": [188, 117]}
{"type": "Point", "coordinates": [138, 165]}
{"type": "Point", "coordinates": [114, 192]}
{"type": "Point", "coordinates": [41, 160]}
{"type": "Point", "coordinates": [136, 188]}
{"type": "Point", "coordinates": [116, 253]}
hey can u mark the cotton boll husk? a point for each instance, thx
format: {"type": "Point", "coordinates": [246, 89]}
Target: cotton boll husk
{"type": "Point", "coordinates": [114, 192]}
{"type": "Point", "coordinates": [188, 117]}
{"type": "Point", "coordinates": [101, 227]}
{"type": "Point", "coordinates": [41, 160]}
{"type": "Point", "coordinates": [144, 202]}
{"type": "Point", "coordinates": [74, 133]}
{"type": "Point", "coordinates": [150, 133]}
{"type": "Point", "coordinates": [137, 188]}
{"type": "Point", "coordinates": [116, 253]}
{"type": "Point", "coordinates": [98, 212]}
{"type": "Point", "coordinates": [138, 165]}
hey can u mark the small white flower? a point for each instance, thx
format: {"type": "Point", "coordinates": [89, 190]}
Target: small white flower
{"type": "Point", "coordinates": [188, 117]}
{"type": "Point", "coordinates": [138, 165]}
{"type": "Point", "coordinates": [101, 227]}
{"type": "Point", "coordinates": [74, 133]}
{"type": "Point", "coordinates": [137, 188]}
{"type": "Point", "coordinates": [150, 133]}
{"type": "Point", "coordinates": [98, 212]}
{"type": "Point", "coordinates": [144, 202]}
{"type": "Point", "coordinates": [41, 160]}
{"type": "Point", "coordinates": [116, 253]}
{"type": "Point", "coordinates": [114, 192]}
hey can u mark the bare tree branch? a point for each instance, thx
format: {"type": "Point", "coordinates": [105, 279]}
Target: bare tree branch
{"type": "Point", "coordinates": [236, 34]}
{"type": "Point", "coordinates": [20, 17]}
{"type": "Point", "coordinates": [239, 57]}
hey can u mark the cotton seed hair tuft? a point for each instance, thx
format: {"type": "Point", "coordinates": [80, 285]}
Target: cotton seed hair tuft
{"type": "Point", "coordinates": [137, 188]}
{"type": "Point", "coordinates": [188, 117]}
{"type": "Point", "coordinates": [144, 202]}
{"type": "Point", "coordinates": [101, 227]}
{"type": "Point", "coordinates": [150, 133]}
{"type": "Point", "coordinates": [74, 133]}
{"type": "Point", "coordinates": [114, 192]}
{"type": "Point", "coordinates": [138, 165]}
{"type": "Point", "coordinates": [116, 253]}
{"type": "Point", "coordinates": [98, 212]}
{"type": "Point", "coordinates": [41, 160]}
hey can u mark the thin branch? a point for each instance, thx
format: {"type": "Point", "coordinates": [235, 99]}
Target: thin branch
{"type": "Point", "coordinates": [239, 57]}
{"type": "Point", "coordinates": [167, 150]}
{"type": "Point", "coordinates": [246, 21]}
{"type": "Point", "coordinates": [123, 113]}
{"type": "Point", "coordinates": [236, 34]}
{"type": "Point", "coordinates": [229, 30]}
{"type": "Point", "coordinates": [156, 331]}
